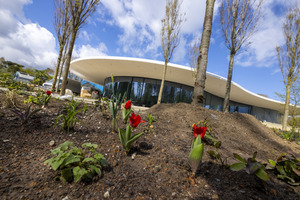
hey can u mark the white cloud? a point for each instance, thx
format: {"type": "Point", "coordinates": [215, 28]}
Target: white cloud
{"type": "Point", "coordinates": [30, 45]}
{"type": "Point", "coordinates": [89, 51]}
{"type": "Point", "coordinates": [261, 52]}
{"type": "Point", "coordinates": [24, 42]}
{"type": "Point", "coordinates": [140, 22]}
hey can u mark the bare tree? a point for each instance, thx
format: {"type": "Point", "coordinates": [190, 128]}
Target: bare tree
{"type": "Point", "coordinates": [289, 57]}
{"type": "Point", "coordinates": [170, 37]}
{"type": "Point", "coordinates": [239, 19]}
{"type": "Point", "coordinates": [198, 95]}
{"type": "Point", "coordinates": [193, 57]}
{"type": "Point", "coordinates": [62, 28]}
{"type": "Point", "coordinates": [80, 10]}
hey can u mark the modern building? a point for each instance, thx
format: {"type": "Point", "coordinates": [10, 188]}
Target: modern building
{"type": "Point", "coordinates": [141, 78]}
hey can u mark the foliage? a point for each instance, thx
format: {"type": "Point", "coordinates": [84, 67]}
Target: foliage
{"type": "Point", "coordinates": [209, 137]}
{"type": "Point", "coordinates": [41, 100]}
{"type": "Point", "coordinates": [287, 167]}
{"type": "Point", "coordinates": [23, 113]}
{"type": "Point", "coordinates": [291, 135]}
{"type": "Point", "coordinates": [114, 107]}
{"type": "Point", "coordinates": [125, 135]}
{"type": "Point", "coordinates": [76, 163]}
{"type": "Point", "coordinates": [251, 166]}
{"type": "Point", "coordinates": [218, 156]}
{"type": "Point", "coordinates": [103, 105]}
{"type": "Point", "coordinates": [151, 119]}
{"type": "Point", "coordinates": [197, 148]}
{"type": "Point", "coordinates": [126, 111]}
{"type": "Point", "coordinates": [69, 118]}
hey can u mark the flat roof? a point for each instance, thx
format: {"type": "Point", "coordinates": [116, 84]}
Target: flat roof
{"type": "Point", "coordinates": [97, 69]}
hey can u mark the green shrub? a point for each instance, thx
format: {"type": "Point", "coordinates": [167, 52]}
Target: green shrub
{"type": "Point", "coordinates": [76, 163]}
{"type": "Point", "coordinates": [287, 166]}
{"type": "Point", "coordinates": [69, 119]}
{"type": "Point", "coordinates": [251, 166]}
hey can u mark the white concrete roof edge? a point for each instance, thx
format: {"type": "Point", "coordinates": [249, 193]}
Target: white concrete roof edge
{"type": "Point", "coordinates": [132, 59]}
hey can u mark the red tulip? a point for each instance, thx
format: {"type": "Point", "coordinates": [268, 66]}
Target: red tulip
{"type": "Point", "coordinates": [199, 131]}
{"type": "Point", "coordinates": [135, 120]}
{"type": "Point", "coordinates": [128, 105]}
{"type": "Point", "coordinates": [48, 93]}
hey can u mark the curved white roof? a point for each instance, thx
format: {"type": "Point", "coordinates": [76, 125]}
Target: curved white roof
{"type": "Point", "coordinates": [96, 69]}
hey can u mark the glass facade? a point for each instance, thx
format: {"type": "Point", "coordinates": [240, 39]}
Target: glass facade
{"type": "Point", "coordinates": [144, 92]}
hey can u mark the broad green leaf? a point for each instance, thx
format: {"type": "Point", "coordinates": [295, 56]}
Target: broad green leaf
{"type": "Point", "coordinates": [239, 158]}
{"type": "Point", "coordinates": [134, 138]}
{"type": "Point", "coordinates": [262, 174]}
{"type": "Point", "coordinates": [67, 175]}
{"type": "Point", "coordinates": [90, 145]}
{"type": "Point", "coordinates": [272, 162]}
{"type": "Point", "coordinates": [280, 169]}
{"type": "Point", "coordinates": [128, 133]}
{"type": "Point", "coordinates": [122, 137]}
{"type": "Point", "coordinates": [237, 166]}
{"type": "Point", "coordinates": [78, 173]}
{"type": "Point", "coordinates": [287, 177]}
{"type": "Point", "coordinates": [95, 169]}
{"type": "Point", "coordinates": [71, 159]}
{"type": "Point", "coordinates": [64, 146]}
{"type": "Point", "coordinates": [90, 159]}
{"type": "Point", "coordinates": [252, 167]}
{"type": "Point", "coordinates": [195, 156]}
{"type": "Point", "coordinates": [102, 159]}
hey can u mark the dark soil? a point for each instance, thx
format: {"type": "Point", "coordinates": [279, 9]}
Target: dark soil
{"type": "Point", "coordinates": [156, 168]}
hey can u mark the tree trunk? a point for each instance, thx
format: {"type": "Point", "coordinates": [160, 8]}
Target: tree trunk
{"type": "Point", "coordinates": [199, 86]}
{"type": "Point", "coordinates": [228, 84]}
{"type": "Point", "coordinates": [61, 48]}
{"type": "Point", "coordinates": [286, 108]}
{"type": "Point", "coordinates": [162, 82]}
{"type": "Point", "coordinates": [68, 61]}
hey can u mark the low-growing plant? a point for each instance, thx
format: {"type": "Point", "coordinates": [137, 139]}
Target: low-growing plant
{"type": "Point", "coordinates": [70, 119]}
{"type": "Point", "coordinates": [42, 99]}
{"type": "Point", "coordinates": [197, 148]}
{"type": "Point", "coordinates": [251, 166]}
{"type": "Point", "coordinates": [24, 114]}
{"type": "Point", "coordinates": [125, 135]}
{"type": "Point", "coordinates": [126, 111]}
{"type": "Point", "coordinates": [287, 167]}
{"type": "Point", "coordinates": [209, 138]}
{"type": "Point", "coordinates": [114, 107]}
{"type": "Point", "coordinates": [215, 154]}
{"type": "Point", "coordinates": [292, 135]}
{"type": "Point", "coordinates": [76, 163]}
{"type": "Point", "coordinates": [151, 119]}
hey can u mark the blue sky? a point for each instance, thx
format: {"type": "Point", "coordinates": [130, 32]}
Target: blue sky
{"type": "Point", "coordinates": [132, 28]}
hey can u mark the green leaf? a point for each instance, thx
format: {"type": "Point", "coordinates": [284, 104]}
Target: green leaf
{"type": "Point", "coordinates": [64, 146]}
{"type": "Point", "coordinates": [90, 159]}
{"type": "Point", "coordinates": [122, 137]}
{"type": "Point", "coordinates": [134, 138]}
{"type": "Point", "coordinates": [71, 159]}
{"type": "Point", "coordinates": [280, 169]}
{"type": "Point", "coordinates": [102, 159]}
{"type": "Point", "coordinates": [237, 166]}
{"type": "Point", "coordinates": [95, 169]}
{"type": "Point", "coordinates": [78, 173]}
{"type": "Point", "coordinates": [195, 156]}
{"type": "Point", "coordinates": [239, 158]}
{"type": "Point", "coordinates": [90, 145]}
{"type": "Point", "coordinates": [128, 133]}
{"type": "Point", "coordinates": [67, 175]}
{"type": "Point", "coordinates": [272, 162]}
{"type": "Point", "coordinates": [262, 174]}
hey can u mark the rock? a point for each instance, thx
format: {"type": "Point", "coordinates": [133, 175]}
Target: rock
{"type": "Point", "coordinates": [106, 195]}
{"type": "Point", "coordinates": [52, 143]}
{"type": "Point", "coordinates": [133, 156]}
{"type": "Point", "coordinates": [6, 140]}
{"type": "Point", "coordinates": [173, 194]}
{"type": "Point", "coordinates": [66, 198]}
{"type": "Point", "coordinates": [214, 116]}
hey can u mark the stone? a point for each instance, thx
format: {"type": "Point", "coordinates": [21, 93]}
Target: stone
{"type": "Point", "coordinates": [133, 156]}
{"type": "Point", "coordinates": [106, 195]}
{"type": "Point", "coordinates": [52, 143]}
{"type": "Point", "coordinates": [66, 198]}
